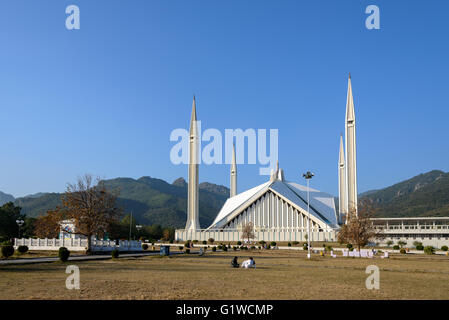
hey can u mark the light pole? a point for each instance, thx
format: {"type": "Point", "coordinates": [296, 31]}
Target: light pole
{"type": "Point", "coordinates": [20, 223]}
{"type": "Point", "coordinates": [308, 175]}
{"type": "Point", "coordinates": [138, 227]}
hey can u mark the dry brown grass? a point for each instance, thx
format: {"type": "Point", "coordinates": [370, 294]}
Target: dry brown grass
{"type": "Point", "coordinates": [279, 275]}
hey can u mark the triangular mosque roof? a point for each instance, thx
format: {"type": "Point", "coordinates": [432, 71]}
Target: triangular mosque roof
{"type": "Point", "coordinates": [322, 205]}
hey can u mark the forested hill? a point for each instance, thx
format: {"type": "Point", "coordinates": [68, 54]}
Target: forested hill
{"type": "Point", "coordinates": [423, 195]}
{"type": "Point", "coordinates": [151, 200]}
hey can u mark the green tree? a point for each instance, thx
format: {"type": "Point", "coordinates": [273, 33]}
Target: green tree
{"type": "Point", "coordinates": [28, 228]}
{"type": "Point", "coordinates": [9, 213]}
{"type": "Point", "coordinates": [401, 243]}
{"type": "Point", "coordinates": [155, 231]}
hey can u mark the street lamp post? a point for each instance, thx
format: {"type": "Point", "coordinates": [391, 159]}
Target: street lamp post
{"type": "Point", "coordinates": [138, 227]}
{"type": "Point", "coordinates": [308, 175]}
{"type": "Point", "coordinates": [20, 223]}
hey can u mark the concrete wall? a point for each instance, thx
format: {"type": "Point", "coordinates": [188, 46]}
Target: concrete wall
{"type": "Point", "coordinates": [78, 244]}
{"type": "Point", "coordinates": [236, 235]}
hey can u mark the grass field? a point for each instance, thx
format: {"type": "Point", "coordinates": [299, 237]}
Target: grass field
{"type": "Point", "coordinates": [280, 274]}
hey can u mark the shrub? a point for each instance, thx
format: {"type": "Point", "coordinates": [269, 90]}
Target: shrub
{"type": "Point", "coordinates": [180, 248]}
{"type": "Point", "coordinates": [305, 246]}
{"type": "Point", "coordinates": [239, 243]}
{"type": "Point", "coordinates": [219, 247]}
{"type": "Point", "coordinates": [63, 254]}
{"type": "Point", "coordinates": [22, 249]}
{"type": "Point", "coordinates": [295, 243]}
{"type": "Point", "coordinates": [7, 250]}
{"type": "Point", "coordinates": [195, 241]}
{"type": "Point", "coordinates": [253, 247]}
{"type": "Point", "coordinates": [210, 240]}
{"type": "Point", "coordinates": [115, 254]}
{"type": "Point", "coordinates": [234, 248]}
{"type": "Point", "coordinates": [214, 249]}
{"type": "Point", "coordinates": [289, 244]}
{"type": "Point", "coordinates": [417, 243]}
{"type": "Point", "coordinates": [145, 246]}
{"type": "Point", "coordinates": [396, 247]}
{"type": "Point", "coordinates": [243, 248]}
{"type": "Point", "coordinates": [402, 243]}
{"type": "Point", "coordinates": [225, 248]}
{"type": "Point", "coordinates": [419, 247]}
{"type": "Point", "coordinates": [187, 251]}
{"type": "Point", "coordinates": [403, 251]}
{"type": "Point", "coordinates": [349, 246]}
{"type": "Point", "coordinates": [429, 250]}
{"type": "Point", "coordinates": [262, 242]}
{"type": "Point", "coordinates": [259, 247]}
{"type": "Point", "coordinates": [273, 244]}
{"type": "Point", "coordinates": [204, 242]}
{"type": "Point", "coordinates": [444, 248]}
{"type": "Point", "coordinates": [329, 248]}
{"type": "Point", "coordinates": [351, 249]}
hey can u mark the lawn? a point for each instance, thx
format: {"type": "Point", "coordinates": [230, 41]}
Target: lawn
{"type": "Point", "coordinates": [280, 274]}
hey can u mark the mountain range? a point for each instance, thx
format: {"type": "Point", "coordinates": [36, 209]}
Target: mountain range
{"type": "Point", "coordinates": [423, 195]}
{"type": "Point", "coordinates": [155, 201]}
{"type": "Point", "coordinates": [150, 200]}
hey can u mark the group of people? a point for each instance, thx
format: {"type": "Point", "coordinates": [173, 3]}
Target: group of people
{"type": "Point", "coordinates": [250, 263]}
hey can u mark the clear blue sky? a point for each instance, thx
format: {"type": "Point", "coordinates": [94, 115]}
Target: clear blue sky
{"type": "Point", "coordinates": [104, 99]}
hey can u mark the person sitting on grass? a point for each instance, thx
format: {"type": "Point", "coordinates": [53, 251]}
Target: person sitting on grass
{"type": "Point", "coordinates": [250, 263]}
{"type": "Point", "coordinates": [234, 263]}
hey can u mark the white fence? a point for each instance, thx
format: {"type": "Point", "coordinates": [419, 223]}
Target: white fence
{"type": "Point", "coordinates": [78, 244]}
{"type": "Point", "coordinates": [271, 235]}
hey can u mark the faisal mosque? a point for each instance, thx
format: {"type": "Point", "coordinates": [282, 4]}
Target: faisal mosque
{"type": "Point", "coordinates": [278, 210]}
{"type": "Point", "coordinates": [281, 210]}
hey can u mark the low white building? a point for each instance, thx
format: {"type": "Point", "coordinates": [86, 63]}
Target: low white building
{"type": "Point", "coordinates": [430, 231]}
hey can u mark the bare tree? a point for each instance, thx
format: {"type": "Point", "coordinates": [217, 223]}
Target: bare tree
{"type": "Point", "coordinates": [248, 231]}
{"type": "Point", "coordinates": [359, 229]}
{"type": "Point", "coordinates": [91, 208]}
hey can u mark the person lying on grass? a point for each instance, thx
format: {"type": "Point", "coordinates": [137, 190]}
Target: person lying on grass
{"type": "Point", "coordinates": [250, 263]}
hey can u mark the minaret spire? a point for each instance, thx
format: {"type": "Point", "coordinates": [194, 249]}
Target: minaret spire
{"type": "Point", "coordinates": [193, 189]}
{"type": "Point", "coordinates": [351, 161]}
{"type": "Point", "coordinates": [342, 196]}
{"type": "Point", "coordinates": [233, 174]}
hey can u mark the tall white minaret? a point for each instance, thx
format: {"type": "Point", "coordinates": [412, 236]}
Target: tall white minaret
{"type": "Point", "coordinates": [351, 162]}
{"type": "Point", "coordinates": [342, 195]}
{"type": "Point", "coordinates": [193, 222]}
{"type": "Point", "coordinates": [233, 174]}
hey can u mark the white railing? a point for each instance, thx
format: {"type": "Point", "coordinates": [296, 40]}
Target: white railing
{"type": "Point", "coordinates": [78, 244]}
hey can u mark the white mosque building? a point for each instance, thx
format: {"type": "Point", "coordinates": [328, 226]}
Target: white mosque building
{"type": "Point", "coordinates": [279, 210]}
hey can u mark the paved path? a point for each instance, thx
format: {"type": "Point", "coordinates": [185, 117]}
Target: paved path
{"type": "Point", "coordinates": [77, 258]}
